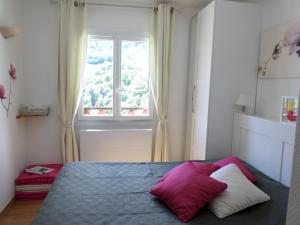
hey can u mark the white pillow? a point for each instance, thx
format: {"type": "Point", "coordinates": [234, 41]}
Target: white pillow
{"type": "Point", "coordinates": [240, 193]}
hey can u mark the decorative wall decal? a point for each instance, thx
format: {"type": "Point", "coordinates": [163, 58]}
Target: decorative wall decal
{"type": "Point", "coordinates": [12, 72]}
{"type": "Point", "coordinates": [2, 92]}
{"type": "Point", "coordinates": [6, 101]}
{"type": "Point", "coordinates": [280, 51]}
{"type": "Point", "coordinates": [292, 39]}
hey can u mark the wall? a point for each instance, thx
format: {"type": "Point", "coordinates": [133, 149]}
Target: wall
{"type": "Point", "coordinates": [176, 115]}
{"type": "Point", "coordinates": [293, 216]}
{"type": "Point", "coordinates": [40, 69]}
{"type": "Point", "coordinates": [12, 131]}
{"type": "Point", "coordinates": [105, 20]}
{"type": "Point", "coordinates": [270, 91]}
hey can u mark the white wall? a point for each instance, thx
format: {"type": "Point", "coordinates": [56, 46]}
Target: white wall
{"type": "Point", "coordinates": [40, 69]}
{"type": "Point", "coordinates": [270, 91]}
{"type": "Point", "coordinates": [293, 215]}
{"type": "Point", "coordinates": [12, 131]}
{"type": "Point", "coordinates": [176, 115]}
{"type": "Point", "coordinates": [107, 19]}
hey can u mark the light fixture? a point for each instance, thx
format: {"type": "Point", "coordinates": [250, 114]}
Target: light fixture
{"type": "Point", "coordinates": [9, 32]}
{"type": "Point", "coordinates": [244, 101]}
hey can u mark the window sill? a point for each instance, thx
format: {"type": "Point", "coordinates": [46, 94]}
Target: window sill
{"type": "Point", "coordinates": [114, 124]}
{"type": "Point", "coordinates": [112, 119]}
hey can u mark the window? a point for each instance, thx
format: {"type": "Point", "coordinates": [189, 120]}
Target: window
{"type": "Point", "coordinates": [116, 79]}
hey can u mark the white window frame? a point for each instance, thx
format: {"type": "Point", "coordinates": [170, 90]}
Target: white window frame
{"type": "Point", "coordinates": [117, 39]}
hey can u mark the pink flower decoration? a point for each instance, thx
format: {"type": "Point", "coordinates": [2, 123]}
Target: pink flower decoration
{"type": "Point", "coordinates": [292, 39]}
{"type": "Point", "coordinates": [2, 92]}
{"type": "Point", "coordinates": [12, 72]}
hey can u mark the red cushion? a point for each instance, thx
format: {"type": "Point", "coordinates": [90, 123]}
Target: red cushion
{"type": "Point", "coordinates": [185, 190]}
{"type": "Point", "coordinates": [30, 196]}
{"type": "Point", "coordinates": [28, 178]}
{"type": "Point", "coordinates": [203, 168]}
{"type": "Point", "coordinates": [206, 169]}
{"type": "Point", "coordinates": [239, 164]}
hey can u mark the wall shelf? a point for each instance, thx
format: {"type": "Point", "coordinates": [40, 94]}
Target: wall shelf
{"type": "Point", "coordinates": [19, 117]}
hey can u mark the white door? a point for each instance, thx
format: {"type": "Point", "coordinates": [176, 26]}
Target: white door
{"type": "Point", "coordinates": [202, 77]}
{"type": "Point", "coordinates": [192, 72]}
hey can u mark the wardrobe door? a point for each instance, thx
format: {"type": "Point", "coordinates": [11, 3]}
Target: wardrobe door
{"type": "Point", "coordinates": [192, 72]}
{"type": "Point", "coordinates": [202, 77]}
{"type": "Point", "coordinates": [235, 62]}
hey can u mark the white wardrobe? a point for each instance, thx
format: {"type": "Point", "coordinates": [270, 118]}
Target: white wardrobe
{"type": "Point", "coordinates": [225, 40]}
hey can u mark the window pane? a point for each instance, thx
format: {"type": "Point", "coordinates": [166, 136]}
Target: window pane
{"type": "Point", "coordinates": [98, 79]}
{"type": "Point", "coordinates": [135, 78]}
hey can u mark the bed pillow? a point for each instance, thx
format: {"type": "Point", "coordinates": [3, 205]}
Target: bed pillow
{"type": "Point", "coordinates": [185, 190]}
{"type": "Point", "coordinates": [202, 168]}
{"type": "Point", "coordinates": [239, 164]}
{"type": "Point", "coordinates": [240, 193]}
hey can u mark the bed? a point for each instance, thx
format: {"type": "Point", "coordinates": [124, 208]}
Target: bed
{"type": "Point", "coordinates": [117, 193]}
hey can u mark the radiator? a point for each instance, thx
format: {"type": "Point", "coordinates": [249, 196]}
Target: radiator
{"type": "Point", "coordinates": [116, 145]}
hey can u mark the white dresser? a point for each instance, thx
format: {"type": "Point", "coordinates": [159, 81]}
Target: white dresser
{"type": "Point", "coordinates": [266, 144]}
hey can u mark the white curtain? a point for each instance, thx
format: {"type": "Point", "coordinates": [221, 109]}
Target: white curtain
{"type": "Point", "coordinates": [161, 43]}
{"type": "Point", "coordinates": [72, 51]}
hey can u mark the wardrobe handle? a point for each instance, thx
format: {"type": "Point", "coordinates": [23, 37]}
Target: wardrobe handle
{"type": "Point", "coordinates": [193, 99]}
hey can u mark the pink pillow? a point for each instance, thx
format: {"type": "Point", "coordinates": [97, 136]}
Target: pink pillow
{"type": "Point", "coordinates": [239, 164]}
{"type": "Point", "coordinates": [185, 190]}
{"type": "Point", "coordinates": [203, 168]}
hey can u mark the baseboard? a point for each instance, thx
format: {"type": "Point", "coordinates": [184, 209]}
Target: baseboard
{"type": "Point", "coordinates": [6, 206]}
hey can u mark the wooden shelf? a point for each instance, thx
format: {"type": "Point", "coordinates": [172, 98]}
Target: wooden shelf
{"type": "Point", "coordinates": [19, 117]}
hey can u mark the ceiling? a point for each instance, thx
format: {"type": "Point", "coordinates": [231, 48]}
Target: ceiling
{"type": "Point", "coordinates": [180, 4]}
{"type": "Point", "coordinates": [195, 3]}
{"type": "Point", "coordinates": [186, 3]}
{"type": "Point", "coordinates": [189, 2]}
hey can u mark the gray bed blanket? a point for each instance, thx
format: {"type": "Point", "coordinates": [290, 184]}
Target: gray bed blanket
{"type": "Point", "coordinates": [117, 194]}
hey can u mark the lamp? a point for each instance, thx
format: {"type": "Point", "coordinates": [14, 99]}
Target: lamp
{"type": "Point", "coordinates": [9, 32]}
{"type": "Point", "coordinates": [244, 101]}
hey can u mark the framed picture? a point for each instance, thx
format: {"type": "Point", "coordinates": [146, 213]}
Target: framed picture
{"type": "Point", "coordinates": [289, 109]}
